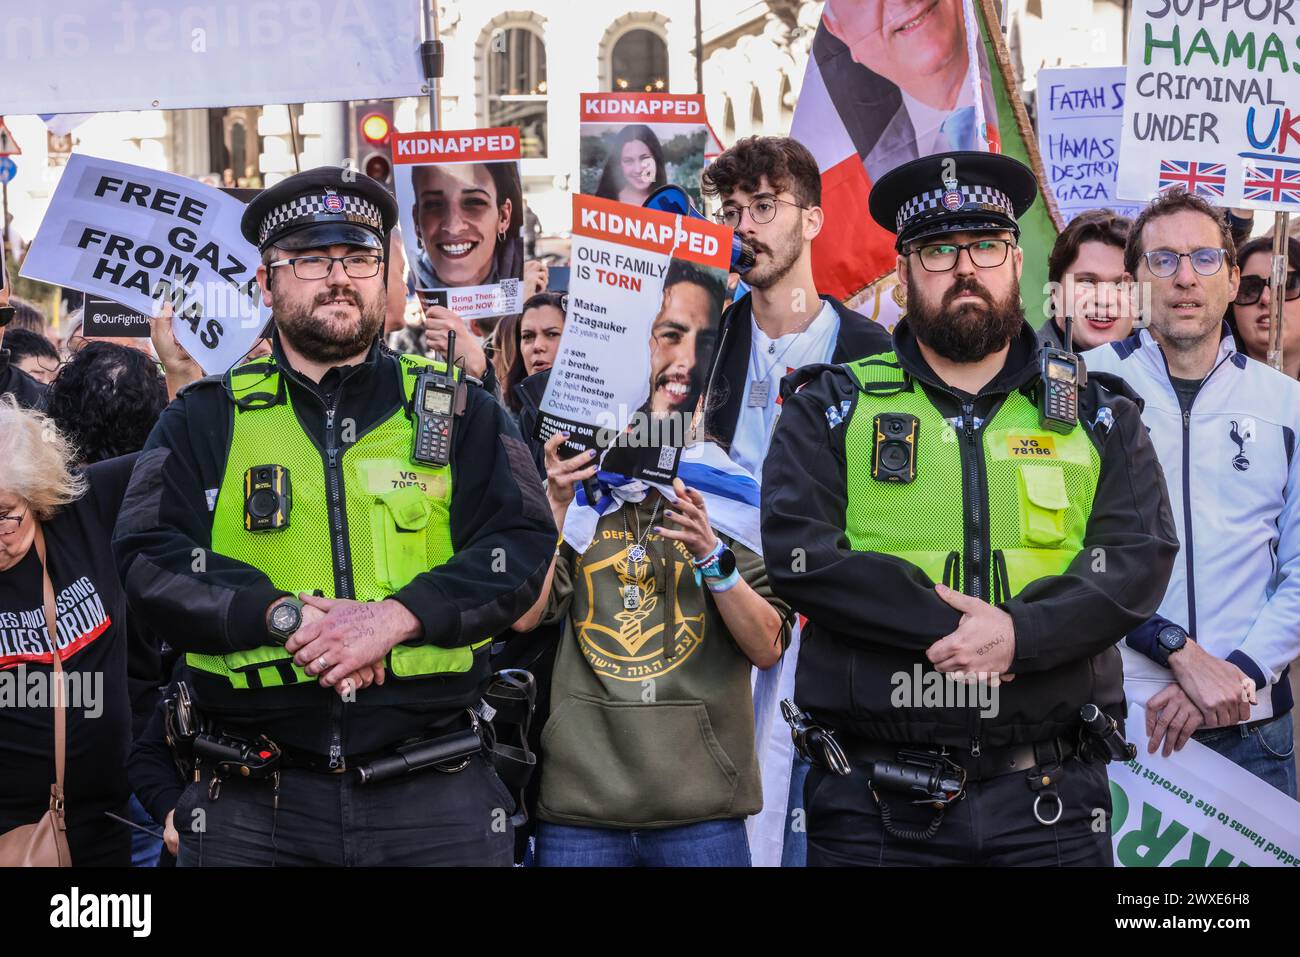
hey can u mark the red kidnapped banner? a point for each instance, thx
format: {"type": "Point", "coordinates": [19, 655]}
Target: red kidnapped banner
{"type": "Point", "coordinates": [642, 108]}
{"type": "Point", "coordinates": [457, 146]}
{"type": "Point", "coordinates": [697, 240]}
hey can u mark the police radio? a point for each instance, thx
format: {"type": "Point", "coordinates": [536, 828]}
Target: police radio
{"type": "Point", "coordinates": [434, 412]}
{"type": "Point", "coordinates": [1058, 407]}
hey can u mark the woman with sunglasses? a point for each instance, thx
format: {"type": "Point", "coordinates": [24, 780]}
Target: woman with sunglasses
{"type": "Point", "coordinates": [1249, 313]}
{"type": "Point", "coordinates": [57, 519]}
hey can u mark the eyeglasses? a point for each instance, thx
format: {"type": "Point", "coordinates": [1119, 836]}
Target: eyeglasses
{"type": "Point", "coordinates": [1163, 263]}
{"type": "Point", "coordinates": [984, 253]}
{"type": "Point", "coordinates": [1252, 287]}
{"type": "Point", "coordinates": [357, 266]}
{"type": "Point", "coordinates": [9, 524]}
{"type": "Point", "coordinates": [761, 211]}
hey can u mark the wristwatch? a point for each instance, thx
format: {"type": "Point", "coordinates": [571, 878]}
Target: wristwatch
{"type": "Point", "coordinates": [721, 565]}
{"type": "Point", "coordinates": [1170, 639]}
{"type": "Point", "coordinates": [6, 315]}
{"type": "Point", "coordinates": [285, 617]}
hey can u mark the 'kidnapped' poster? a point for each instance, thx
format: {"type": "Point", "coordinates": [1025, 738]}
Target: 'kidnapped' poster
{"type": "Point", "coordinates": [460, 204]}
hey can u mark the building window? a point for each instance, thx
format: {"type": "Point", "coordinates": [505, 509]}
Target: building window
{"type": "Point", "coordinates": [639, 63]}
{"type": "Point", "coordinates": [516, 86]}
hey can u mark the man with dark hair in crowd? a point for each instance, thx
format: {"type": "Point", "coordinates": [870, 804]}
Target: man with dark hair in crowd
{"type": "Point", "coordinates": [32, 353]}
{"type": "Point", "coordinates": [1088, 282]}
{"type": "Point", "coordinates": [14, 381]}
{"type": "Point", "coordinates": [1212, 663]}
{"type": "Point", "coordinates": [770, 189]}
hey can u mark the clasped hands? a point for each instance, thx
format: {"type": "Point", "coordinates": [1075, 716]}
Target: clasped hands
{"type": "Point", "coordinates": [345, 642]}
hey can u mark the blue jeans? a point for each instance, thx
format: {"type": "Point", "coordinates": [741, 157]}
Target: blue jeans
{"type": "Point", "coordinates": [1267, 751]}
{"type": "Point", "coordinates": [707, 844]}
{"type": "Point", "coordinates": [144, 849]}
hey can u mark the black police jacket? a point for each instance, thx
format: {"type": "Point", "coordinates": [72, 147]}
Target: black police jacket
{"type": "Point", "coordinates": [497, 509]}
{"type": "Point", "coordinates": [872, 616]}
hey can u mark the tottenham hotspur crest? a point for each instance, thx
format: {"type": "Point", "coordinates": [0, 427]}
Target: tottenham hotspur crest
{"type": "Point", "coordinates": [1241, 434]}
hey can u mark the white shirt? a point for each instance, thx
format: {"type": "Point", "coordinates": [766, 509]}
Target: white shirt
{"type": "Point", "coordinates": [927, 121]}
{"type": "Point", "coordinates": [812, 345]}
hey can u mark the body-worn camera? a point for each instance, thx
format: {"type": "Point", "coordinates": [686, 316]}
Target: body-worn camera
{"type": "Point", "coordinates": [893, 455]}
{"type": "Point", "coordinates": [268, 498]}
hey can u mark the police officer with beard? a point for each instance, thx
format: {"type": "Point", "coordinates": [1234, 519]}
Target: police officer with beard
{"type": "Point", "coordinates": [334, 595]}
{"type": "Point", "coordinates": [967, 555]}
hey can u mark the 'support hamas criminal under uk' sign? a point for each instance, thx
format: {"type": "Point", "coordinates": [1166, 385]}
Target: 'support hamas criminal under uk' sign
{"type": "Point", "coordinates": [1213, 102]}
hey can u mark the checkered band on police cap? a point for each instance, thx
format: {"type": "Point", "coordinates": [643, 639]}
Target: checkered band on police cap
{"type": "Point", "coordinates": [353, 209]}
{"type": "Point", "coordinates": [932, 200]}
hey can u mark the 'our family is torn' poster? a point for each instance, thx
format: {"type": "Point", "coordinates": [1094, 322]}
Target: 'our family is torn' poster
{"type": "Point", "coordinates": [460, 204]}
{"type": "Point", "coordinates": [1213, 103]}
{"type": "Point", "coordinates": [634, 143]}
{"type": "Point", "coordinates": [137, 236]}
{"type": "Point", "coordinates": [1080, 118]}
{"type": "Point", "coordinates": [645, 299]}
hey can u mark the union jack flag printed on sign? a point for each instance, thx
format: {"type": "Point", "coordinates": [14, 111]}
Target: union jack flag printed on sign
{"type": "Point", "coordinates": [1271, 184]}
{"type": "Point", "coordinates": [1204, 179]}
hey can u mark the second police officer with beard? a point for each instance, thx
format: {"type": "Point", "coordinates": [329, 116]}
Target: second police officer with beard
{"type": "Point", "coordinates": [423, 563]}
{"type": "Point", "coordinates": [937, 527]}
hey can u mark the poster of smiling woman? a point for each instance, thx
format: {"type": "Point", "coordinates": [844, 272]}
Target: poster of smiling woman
{"type": "Point", "coordinates": [633, 143]}
{"type": "Point", "coordinates": [460, 204]}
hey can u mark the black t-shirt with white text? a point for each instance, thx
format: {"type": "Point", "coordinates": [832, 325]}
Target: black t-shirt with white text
{"type": "Point", "coordinates": [91, 634]}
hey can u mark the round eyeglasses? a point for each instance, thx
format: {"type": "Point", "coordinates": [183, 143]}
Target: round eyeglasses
{"type": "Point", "coordinates": [357, 266]}
{"type": "Point", "coordinates": [761, 211]}
{"type": "Point", "coordinates": [1163, 263]}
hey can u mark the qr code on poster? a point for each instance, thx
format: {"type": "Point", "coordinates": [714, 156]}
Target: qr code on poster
{"type": "Point", "coordinates": [510, 287]}
{"type": "Point", "coordinates": [667, 456]}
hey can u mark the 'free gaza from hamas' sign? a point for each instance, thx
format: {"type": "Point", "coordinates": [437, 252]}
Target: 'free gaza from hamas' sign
{"type": "Point", "coordinates": [139, 236]}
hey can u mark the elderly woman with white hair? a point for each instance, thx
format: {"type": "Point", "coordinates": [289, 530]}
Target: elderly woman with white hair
{"type": "Point", "coordinates": [45, 501]}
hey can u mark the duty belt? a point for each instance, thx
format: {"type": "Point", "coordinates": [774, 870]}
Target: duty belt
{"type": "Point", "coordinates": [990, 763]}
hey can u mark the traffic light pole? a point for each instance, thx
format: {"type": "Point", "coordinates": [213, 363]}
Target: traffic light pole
{"type": "Point", "coordinates": [431, 59]}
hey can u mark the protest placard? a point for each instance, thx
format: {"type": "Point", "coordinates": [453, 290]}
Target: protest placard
{"type": "Point", "coordinates": [460, 204]}
{"type": "Point", "coordinates": [102, 55]}
{"type": "Point", "coordinates": [1212, 104]}
{"type": "Point", "coordinates": [645, 297]}
{"type": "Point", "coordinates": [1196, 808]}
{"type": "Point", "coordinates": [1080, 118]}
{"type": "Point", "coordinates": [104, 317]}
{"type": "Point", "coordinates": [633, 143]}
{"type": "Point", "coordinates": [133, 235]}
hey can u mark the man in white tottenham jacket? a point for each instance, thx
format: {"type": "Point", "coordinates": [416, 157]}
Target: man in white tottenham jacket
{"type": "Point", "coordinates": [1213, 661]}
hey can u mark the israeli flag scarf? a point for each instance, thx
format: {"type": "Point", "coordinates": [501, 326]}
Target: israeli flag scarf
{"type": "Point", "coordinates": [730, 497]}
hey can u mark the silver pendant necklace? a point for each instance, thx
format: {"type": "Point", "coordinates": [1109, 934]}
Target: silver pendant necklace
{"type": "Point", "coordinates": [636, 554]}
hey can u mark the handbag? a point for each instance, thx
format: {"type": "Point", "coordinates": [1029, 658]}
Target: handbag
{"type": "Point", "coordinates": [45, 843]}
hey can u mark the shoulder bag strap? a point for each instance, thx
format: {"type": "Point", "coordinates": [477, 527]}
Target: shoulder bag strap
{"type": "Point", "coordinates": [60, 705]}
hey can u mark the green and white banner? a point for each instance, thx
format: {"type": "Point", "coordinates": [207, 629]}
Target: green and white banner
{"type": "Point", "coordinates": [1196, 808]}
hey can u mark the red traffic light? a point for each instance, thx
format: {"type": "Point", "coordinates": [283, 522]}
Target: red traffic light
{"type": "Point", "coordinates": [375, 128]}
{"type": "Point", "coordinates": [378, 166]}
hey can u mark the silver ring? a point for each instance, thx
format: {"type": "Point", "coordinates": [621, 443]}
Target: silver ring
{"type": "Point", "coordinates": [322, 662]}
{"type": "Point", "coordinates": [1060, 809]}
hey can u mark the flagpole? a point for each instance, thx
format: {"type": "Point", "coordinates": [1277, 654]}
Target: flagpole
{"type": "Point", "coordinates": [1277, 294]}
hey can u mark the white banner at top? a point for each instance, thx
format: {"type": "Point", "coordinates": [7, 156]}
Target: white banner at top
{"type": "Point", "coordinates": [89, 56]}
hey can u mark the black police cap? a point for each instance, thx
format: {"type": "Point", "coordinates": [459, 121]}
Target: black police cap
{"type": "Point", "coordinates": [983, 191]}
{"type": "Point", "coordinates": [326, 206]}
